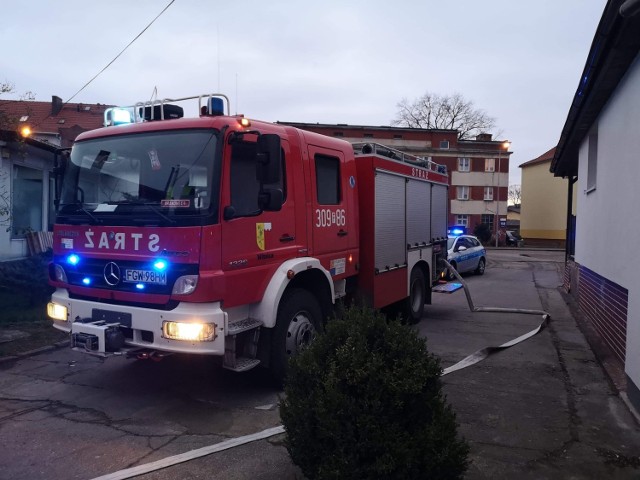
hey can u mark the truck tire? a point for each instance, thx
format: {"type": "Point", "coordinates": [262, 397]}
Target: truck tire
{"type": "Point", "coordinates": [414, 303]}
{"type": "Point", "coordinates": [299, 319]}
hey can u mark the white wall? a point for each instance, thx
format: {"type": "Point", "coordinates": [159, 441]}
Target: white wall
{"type": "Point", "coordinates": [27, 156]}
{"type": "Point", "coordinates": [608, 220]}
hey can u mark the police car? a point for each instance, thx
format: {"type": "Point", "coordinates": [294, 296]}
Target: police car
{"type": "Point", "coordinates": [466, 254]}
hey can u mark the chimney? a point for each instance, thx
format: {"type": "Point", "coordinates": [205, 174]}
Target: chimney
{"type": "Point", "coordinates": [483, 137]}
{"type": "Point", "coordinates": [56, 105]}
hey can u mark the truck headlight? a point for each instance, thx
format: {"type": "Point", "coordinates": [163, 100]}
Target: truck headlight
{"type": "Point", "coordinates": [57, 312]}
{"type": "Point", "coordinates": [59, 274]}
{"type": "Point", "coordinates": [185, 285]}
{"type": "Point", "coordinates": [195, 332]}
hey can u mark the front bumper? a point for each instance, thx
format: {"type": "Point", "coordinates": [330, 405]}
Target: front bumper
{"type": "Point", "coordinates": [145, 330]}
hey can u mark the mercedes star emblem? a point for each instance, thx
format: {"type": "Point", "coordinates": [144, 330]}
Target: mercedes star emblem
{"type": "Point", "coordinates": [112, 274]}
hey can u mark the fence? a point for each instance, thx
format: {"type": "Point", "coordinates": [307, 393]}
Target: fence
{"type": "Point", "coordinates": [39, 242]}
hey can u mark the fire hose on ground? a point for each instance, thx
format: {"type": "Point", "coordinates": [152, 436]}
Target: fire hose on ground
{"type": "Point", "coordinates": [234, 442]}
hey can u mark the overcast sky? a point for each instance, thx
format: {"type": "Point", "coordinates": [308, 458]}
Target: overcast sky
{"type": "Point", "coordinates": [323, 61]}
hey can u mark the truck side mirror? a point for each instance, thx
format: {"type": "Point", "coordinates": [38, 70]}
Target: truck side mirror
{"type": "Point", "coordinates": [269, 163]}
{"type": "Point", "coordinates": [270, 199]}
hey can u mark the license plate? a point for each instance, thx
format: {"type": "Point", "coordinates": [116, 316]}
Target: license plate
{"type": "Point", "coordinates": [145, 276]}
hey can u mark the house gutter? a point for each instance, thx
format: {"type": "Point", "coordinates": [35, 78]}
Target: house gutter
{"type": "Point", "coordinates": [630, 8]}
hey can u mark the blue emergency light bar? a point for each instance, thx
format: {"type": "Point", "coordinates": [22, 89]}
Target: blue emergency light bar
{"type": "Point", "coordinates": [457, 230]}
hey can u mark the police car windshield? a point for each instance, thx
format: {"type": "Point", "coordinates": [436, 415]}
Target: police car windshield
{"type": "Point", "coordinates": [450, 241]}
{"type": "Point", "coordinates": [159, 175]}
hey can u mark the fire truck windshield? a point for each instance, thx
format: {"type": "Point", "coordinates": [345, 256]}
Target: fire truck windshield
{"type": "Point", "coordinates": [155, 178]}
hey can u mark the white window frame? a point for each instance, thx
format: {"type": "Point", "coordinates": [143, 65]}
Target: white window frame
{"type": "Point", "coordinates": [488, 194]}
{"type": "Point", "coordinates": [462, 220]}
{"type": "Point", "coordinates": [489, 164]}
{"type": "Point", "coordinates": [462, 192]}
{"type": "Point", "coordinates": [464, 164]}
{"type": "Point", "coordinates": [444, 144]}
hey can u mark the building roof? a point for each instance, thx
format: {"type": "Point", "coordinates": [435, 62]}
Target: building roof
{"type": "Point", "coordinates": [615, 45]}
{"type": "Point", "coordinates": [384, 128]}
{"type": "Point", "coordinates": [545, 157]}
{"type": "Point", "coordinates": [66, 120]}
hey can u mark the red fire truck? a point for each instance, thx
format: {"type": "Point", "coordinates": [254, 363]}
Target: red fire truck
{"type": "Point", "coordinates": [224, 236]}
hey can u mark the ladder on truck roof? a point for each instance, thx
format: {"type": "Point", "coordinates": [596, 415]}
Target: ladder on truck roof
{"type": "Point", "coordinates": [384, 151]}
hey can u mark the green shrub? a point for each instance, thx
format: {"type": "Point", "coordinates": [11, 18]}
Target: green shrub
{"type": "Point", "coordinates": [483, 232]}
{"type": "Point", "coordinates": [364, 401]}
{"type": "Point", "coordinates": [28, 277]}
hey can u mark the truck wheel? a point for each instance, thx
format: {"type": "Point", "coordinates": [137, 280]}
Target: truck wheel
{"type": "Point", "coordinates": [299, 318]}
{"type": "Point", "coordinates": [481, 266]}
{"type": "Point", "coordinates": [414, 303]}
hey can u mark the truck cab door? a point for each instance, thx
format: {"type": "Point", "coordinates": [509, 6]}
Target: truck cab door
{"type": "Point", "coordinates": [254, 242]}
{"type": "Point", "coordinates": [333, 221]}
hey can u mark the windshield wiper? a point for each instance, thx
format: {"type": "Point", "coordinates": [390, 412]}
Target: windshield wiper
{"type": "Point", "coordinates": [151, 207]}
{"type": "Point", "coordinates": [157, 211]}
{"type": "Point", "coordinates": [80, 207]}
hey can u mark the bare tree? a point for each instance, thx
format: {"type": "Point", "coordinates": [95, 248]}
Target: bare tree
{"type": "Point", "coordinates": [452, 112]}
{"type": "Point", "coordinates": [515, 194]}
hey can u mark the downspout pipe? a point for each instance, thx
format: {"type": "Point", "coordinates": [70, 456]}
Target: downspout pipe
{"type": "Point", "coordinates": [569, 245]}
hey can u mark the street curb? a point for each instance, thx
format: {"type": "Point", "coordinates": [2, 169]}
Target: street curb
{"type": "Point", "coordinates": [36, 351]}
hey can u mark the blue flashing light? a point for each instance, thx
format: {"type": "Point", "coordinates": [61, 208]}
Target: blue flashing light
{"type": "Point", "coordinates": [86, 281]}
{"type": "Point", "coordinates": [216, 106]}
{"type": "Point", "coordinates": [140, 286]}
{"type": "Point", "coordinates": [73, 259]}
{"type": "Point", "coordinates": [457, 230]}
{"type": "Point", "coordinates": [160, 265]}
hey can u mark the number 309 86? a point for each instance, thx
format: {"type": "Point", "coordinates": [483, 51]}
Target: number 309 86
{"type": "Point", "coordinates": [326, 217]}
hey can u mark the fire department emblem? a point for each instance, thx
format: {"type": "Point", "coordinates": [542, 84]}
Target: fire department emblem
{"type": "Point", "coordinates": [260, 229]}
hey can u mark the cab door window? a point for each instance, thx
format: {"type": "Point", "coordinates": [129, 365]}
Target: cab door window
{"type": "Point", "coordinates": [327, 180]}
{"type": "Point", "coordinates": [244, 182]}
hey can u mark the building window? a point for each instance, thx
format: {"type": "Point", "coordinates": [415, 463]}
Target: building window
{"type": "Point", "coordinates": [397, 137]}
{"type": "Point", "coordinates": [26, 208]}
{"type": "Point", "coordinates": [462, 220]}
{"type": "Point", "coordinates": [444, 144]}
{"type": "Point", "coordinates": [487, 219]}
{"type": "Point", "coordinates": [368, 135]}
{"type": "Point", "coordinates": [338, 134]}
{"type": "Point", "coordinates": [488, 193]}
{"type": "Point", "coordinates": [489, 164]}
{"type": "Point", "coordinates": [592, 161]}
{"type": "Point", "coordinates": [327, 180]}
{"type": "Point", "coordinates": [463, 193]}
{"type": "Point", "coordinates": [464, 164]}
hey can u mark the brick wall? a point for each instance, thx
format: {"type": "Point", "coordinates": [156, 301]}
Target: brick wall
{"type": "Point", "coordinates": [604, 303]}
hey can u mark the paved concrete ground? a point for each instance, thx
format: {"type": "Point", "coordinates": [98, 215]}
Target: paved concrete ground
{"type": "Point", "coordinates": [543, 409]}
